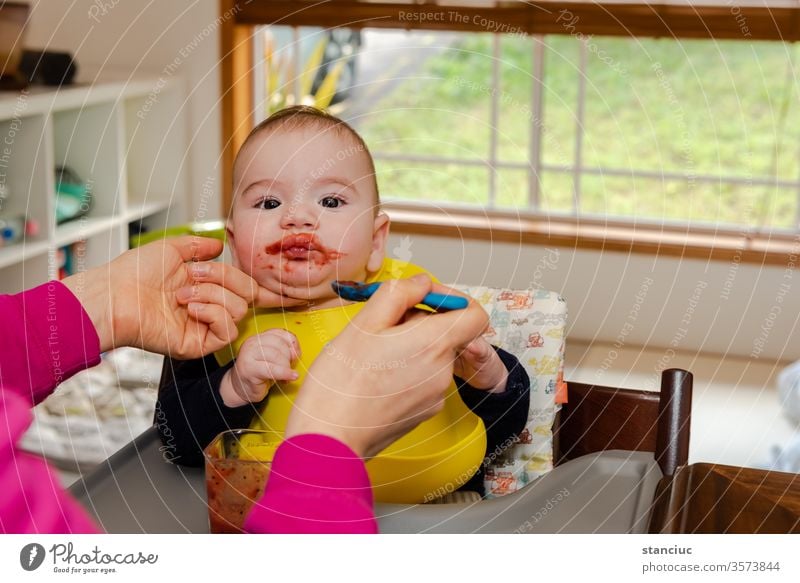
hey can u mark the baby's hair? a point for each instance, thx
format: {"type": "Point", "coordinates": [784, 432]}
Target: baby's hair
{"type": "Point", "coordinates": [305, 116]}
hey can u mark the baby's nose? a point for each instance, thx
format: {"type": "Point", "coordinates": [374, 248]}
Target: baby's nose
{"type": "Point", "coordinates": [298, 216]}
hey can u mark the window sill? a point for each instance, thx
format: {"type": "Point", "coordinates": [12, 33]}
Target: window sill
{"type": "Point", "coordinates": [578, 233]}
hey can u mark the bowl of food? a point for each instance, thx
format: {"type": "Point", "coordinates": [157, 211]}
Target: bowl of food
{"type": "Point", "coordinates": [238, 463]}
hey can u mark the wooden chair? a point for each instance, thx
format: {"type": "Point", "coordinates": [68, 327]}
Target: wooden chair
{"type": "Point", "coordinates": [598, 418]}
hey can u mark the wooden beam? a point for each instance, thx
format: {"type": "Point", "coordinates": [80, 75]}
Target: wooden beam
{"type": "Point", "coordinates": [718, 19]}
{"type": "Point", "coordinates": [236, 57]}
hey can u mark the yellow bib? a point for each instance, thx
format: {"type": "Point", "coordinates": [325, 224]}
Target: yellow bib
{"type": "Point", "coordinates": [435, 458]}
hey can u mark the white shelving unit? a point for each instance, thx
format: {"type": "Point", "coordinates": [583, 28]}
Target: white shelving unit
{"type": "Point", "coordinates": [126, 139]}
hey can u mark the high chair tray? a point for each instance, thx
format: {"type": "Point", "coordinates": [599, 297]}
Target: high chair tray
{"type": "Point", "coordinates": [606, 492]}
{"type": "Point", "coordinates": [137, 490]}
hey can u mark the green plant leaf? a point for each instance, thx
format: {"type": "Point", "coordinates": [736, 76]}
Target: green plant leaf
{"type": "Point", "coordinates": [327, 89]}
{"type": "Point", "coordinates": [311, 67]}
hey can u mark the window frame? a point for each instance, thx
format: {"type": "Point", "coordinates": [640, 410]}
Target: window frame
{"type": "Point", "coordinates": [631, 18]}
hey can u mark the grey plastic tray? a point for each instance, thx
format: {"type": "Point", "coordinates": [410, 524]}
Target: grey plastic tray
{"type": "Point", "coordinates": [137, 490]}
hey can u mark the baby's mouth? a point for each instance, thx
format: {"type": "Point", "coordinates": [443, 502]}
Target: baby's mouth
{"type": "Point", "coordinates": [303, 247]}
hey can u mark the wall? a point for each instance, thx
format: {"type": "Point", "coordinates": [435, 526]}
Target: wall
{"type": "Point", "coordinates": [677, 304]}
{"type": "Point", "coordinates": [112, 38]}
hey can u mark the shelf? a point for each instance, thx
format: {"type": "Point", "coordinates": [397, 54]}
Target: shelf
{"type": "Point", "coordinates": [124, 137]}
{"type": "Point", "coordinates": [22, 251]}
{"type": "Point", "coordinates": [45, 100]}
{"type": "Point", "coordinates": [139, 211]}
{"type": "Point", "coordinates": [81, 229]}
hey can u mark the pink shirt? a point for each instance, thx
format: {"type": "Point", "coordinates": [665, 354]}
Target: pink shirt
{"type": "Point", "coordinates": [317, 484]}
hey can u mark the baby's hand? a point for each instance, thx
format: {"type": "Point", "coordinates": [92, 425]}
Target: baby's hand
{"type": "Point", "coordinates": [263, 359]}
{"type": "Point", "coordinates": [479, 365]}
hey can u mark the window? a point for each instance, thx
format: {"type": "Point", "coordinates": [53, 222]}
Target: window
{"type": "Point", "coordinates": [696, 131]}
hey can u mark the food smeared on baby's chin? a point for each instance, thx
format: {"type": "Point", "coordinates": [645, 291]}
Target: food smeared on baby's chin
{"type": "Point", "coordinates": [298, 251]}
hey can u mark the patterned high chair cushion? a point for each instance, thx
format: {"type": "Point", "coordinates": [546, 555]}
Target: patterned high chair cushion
{"type": "Point", "coordinates": [530, 324]}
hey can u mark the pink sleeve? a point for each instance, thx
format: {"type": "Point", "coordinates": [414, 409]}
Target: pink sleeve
{"type": "Point", "coordinates": [316, 485]}
{"type": "Point", "coordinates": [46, 338]}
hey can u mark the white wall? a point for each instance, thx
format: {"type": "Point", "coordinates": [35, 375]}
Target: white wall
{"type": "Point", "coordinates": [113, 37]}
{"type": "Point", "coordinates": [683, 304]}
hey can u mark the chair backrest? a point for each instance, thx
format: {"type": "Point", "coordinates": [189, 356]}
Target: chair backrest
{"type": "Point", "coordinates": [598, 418]}
{"type": "Point", "coordinates": [531, 325]}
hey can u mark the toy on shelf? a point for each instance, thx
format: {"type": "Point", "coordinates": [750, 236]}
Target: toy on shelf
{"type": "Point", "coordinates": [70, 259]}
{"type": "Point", "coordinates": [17, 228]}
{"type": "Point", "coordinates": [73, 195]}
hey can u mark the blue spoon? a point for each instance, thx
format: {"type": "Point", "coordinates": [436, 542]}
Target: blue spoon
{"type": "Point", "coordinates": [357, 291]}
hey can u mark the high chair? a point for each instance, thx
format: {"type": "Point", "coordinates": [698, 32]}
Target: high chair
{"type": "Point", "coordinates": [597, 418]}
{"type": "Point", "coordinates": [604, 449]}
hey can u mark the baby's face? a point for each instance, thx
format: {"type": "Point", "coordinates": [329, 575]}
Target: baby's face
{"type": "Point", "coordinates": [304, 213]}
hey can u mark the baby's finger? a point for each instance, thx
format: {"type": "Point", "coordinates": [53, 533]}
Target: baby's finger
{"type": "Point", "coordinates": [281, 373]}
{"type": "Point", "coordinates": [218, 320]}
{"type": "Point", "coordinates": [294, 344]}
{"type": "Point", "coordinates": [281, 333]}
{"type": "Point", "coordinates": [478, 349]}
{"type": "Point", "coordinates": [281, 340]}
{"type": "Point", "coordinates": [267, 352]}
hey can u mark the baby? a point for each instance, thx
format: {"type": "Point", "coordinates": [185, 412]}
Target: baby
{"type": "Point", "coordinates": [306, 212]}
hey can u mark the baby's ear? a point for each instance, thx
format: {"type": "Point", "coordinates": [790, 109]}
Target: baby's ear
{"type": "Point", "coordinates": [231, 243]}
{"type": "Point", "coordinates": [380, 233]}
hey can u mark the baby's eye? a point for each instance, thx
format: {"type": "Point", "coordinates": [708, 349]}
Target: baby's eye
{"type": "Point", "coordinates": [331, 202]}
{"type": "Point", "coordinates": [268, 203]}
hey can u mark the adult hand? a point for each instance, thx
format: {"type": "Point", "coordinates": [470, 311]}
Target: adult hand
{"type": "Point", "coordinates": [167, 297]}
{"type": "Point", "coordinates": [387, 371]}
